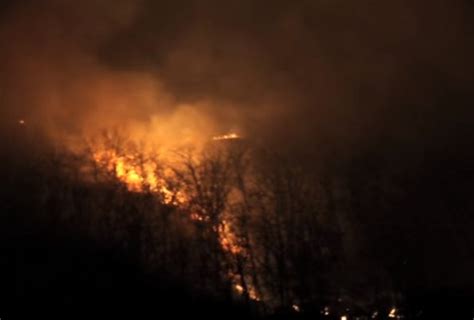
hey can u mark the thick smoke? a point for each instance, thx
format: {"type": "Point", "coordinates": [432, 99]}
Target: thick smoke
{"type": "Point", "coordinates": [55, 81]}
{"type": "Point", "coordinates": [313, 75]}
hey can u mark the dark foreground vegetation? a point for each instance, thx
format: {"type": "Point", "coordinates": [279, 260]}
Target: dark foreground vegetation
{"type": "Point", "coordinates": [352, 238]}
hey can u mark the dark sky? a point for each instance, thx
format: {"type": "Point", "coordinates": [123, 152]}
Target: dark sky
{"type": "Point", "coordinates": [326, 74]}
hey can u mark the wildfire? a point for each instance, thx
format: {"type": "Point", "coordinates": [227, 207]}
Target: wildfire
{"type": "Point", "coordinates": [230, 243]}
{"type": "Point", "coordinates": [251, 292]}
{"type": "Point", "coordinates": [138, 175]}
{"type": "Point", "coordinates": [392, 313]}
{"type": "Point", "coordinates": [228, 239]}
{"type": "Point", "coordinates": [141, 174]}
{"type": "Point", "coordinates": [197, 217]}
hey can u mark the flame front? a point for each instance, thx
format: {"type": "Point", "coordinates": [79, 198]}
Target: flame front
{"type": "Point", "coordinates": [143, 174]}
{"type": "Point", "coordinates": [138, 175]}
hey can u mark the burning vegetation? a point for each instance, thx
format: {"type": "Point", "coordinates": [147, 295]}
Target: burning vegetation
{"type": "Point", "coordinates": [144, 174]}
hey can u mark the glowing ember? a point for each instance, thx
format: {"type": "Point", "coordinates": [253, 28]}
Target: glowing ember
{"type": "Point", "coordinates": [392, 313]}
{"type": "Point", "coordinates": [251, 292]}
{"type": "Point", "coordinates": [197, 217]}
{"type": "Point", "coordinates": [230, 136]}
{"type": "Point", "coordinates": [325, 311]}
{"type": "Point", "coordinates": [239, 288]}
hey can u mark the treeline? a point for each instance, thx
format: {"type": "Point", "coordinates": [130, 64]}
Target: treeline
{"type": "Point", "coordinates": [241, 226]}
{"type": "Point", "coordinates": [251, 228]}
{"type": "Point", "coordinates": [235, 221]}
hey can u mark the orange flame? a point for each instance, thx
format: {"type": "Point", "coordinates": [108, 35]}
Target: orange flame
{"type": "Point", "coordinates": [228, 239]}
{"type": "Point", "coordinates": [138, 177]}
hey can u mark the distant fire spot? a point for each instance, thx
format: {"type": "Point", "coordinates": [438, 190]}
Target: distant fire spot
{"type": "Point", "coordinates": [230, 136]}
